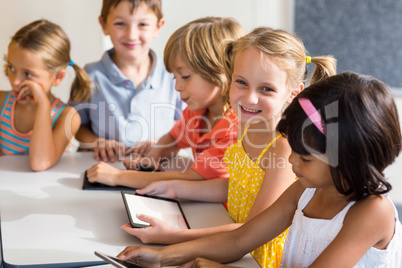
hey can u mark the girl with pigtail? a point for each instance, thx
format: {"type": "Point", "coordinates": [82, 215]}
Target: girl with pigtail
{"type": "Point", "coordinates": [33, 120]}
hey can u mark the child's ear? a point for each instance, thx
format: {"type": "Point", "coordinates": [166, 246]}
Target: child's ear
{"type": "Point", "coordinates": [103, 25]}
{"type": "Point", "coordinates": [159, 26]}
{"type": "Point", "coordinates": [295, 92]}
{"type": "Point", "coordinates": [59, 77]}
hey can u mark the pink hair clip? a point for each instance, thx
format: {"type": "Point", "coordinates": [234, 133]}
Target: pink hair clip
{"type": "Point", "coordinates": [312, 113]}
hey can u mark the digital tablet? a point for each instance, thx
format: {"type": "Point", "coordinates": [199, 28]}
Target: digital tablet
{"type": "Point", "coordinates": [117, 262]}
{"type": "Point", "coordinates": [87, 185]}
{"type": "Point", "coordinates": [168, 210]}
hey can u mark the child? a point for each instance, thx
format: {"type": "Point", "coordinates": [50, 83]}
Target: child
{"type": "Point", "coordinates": [343, 131]}
{"type": "Point", "coordinates": [33, 121]}
{"type": "Point", "coordinates": [266, 69]}
{"type": "Point", "coordinates": [192, 55]}
{"type": "Point", "coordinates": [133, 97]}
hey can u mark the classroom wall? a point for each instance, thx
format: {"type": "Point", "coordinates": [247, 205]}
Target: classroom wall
{"type": "Point", "coordinates": [79, 19]}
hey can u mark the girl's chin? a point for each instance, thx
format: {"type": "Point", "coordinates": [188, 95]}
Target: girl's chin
{"type": "Point", "coordinates": [250, 120]}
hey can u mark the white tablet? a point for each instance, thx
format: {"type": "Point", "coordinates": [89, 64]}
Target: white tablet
{"type": "Point", "coordinates": [168, 210]}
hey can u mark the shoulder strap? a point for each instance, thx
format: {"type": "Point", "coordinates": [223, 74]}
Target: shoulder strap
{"type": "Point", "coordinates": [56, 109]}
{"type": "Point", "coordinates": [267, 147]}
{"type": "Point", "coordinates": [244, 133]}
{"type": "Point", "coordinates": [5, 102]}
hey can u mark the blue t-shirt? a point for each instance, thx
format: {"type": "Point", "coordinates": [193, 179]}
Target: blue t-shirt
{"type": "Point", "coordinates": [117, 110]}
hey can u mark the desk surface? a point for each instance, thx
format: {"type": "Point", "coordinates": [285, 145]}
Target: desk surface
{"type": "Point", "coordinates": [47, 219]}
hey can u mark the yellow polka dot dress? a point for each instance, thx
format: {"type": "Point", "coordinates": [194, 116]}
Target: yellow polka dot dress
{"type": "Point", "coordinates": [245, 179]}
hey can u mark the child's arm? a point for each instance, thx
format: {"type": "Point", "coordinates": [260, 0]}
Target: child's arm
{"type": "Point", "coordinates": [47, 145]}
{"type": "Point", "coordinates": [165, 148]}
{"type": "Point", "coordinates": [277, 179]}
{"type": "Point", "coordinates": [368, 223]}
{"type": "Point", "coordinates": [214, 190]}
{"type": "Point", "coordinates": [106, 174]}
{"type": "Point", "coordinates": [226, 246]}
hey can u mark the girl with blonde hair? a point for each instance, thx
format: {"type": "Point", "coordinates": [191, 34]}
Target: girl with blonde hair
{"type": "Point", "coordinates": [33, 120]}
{"type": "Point", "coordinates": [265, 70]}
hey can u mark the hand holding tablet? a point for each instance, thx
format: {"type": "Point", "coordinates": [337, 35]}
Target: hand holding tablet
{"type": "Point", "coordinates": [167, 210]}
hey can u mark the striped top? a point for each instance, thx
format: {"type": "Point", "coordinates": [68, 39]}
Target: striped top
{"type": "Point", "coordinates": [11, 140]}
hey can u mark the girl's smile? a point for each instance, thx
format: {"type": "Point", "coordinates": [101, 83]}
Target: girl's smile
{"type": "Point", "coordinates": [259, 88]}
{"type": "Point", "coordinates": [251, 111]}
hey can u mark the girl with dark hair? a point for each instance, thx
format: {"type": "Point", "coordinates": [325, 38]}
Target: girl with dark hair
{"type": "Point", "coordinates": [344, 131]}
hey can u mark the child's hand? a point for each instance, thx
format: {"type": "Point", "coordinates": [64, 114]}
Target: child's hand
{"type": "Point", "coordinates": [103, 173]}
{"type": "Point", "coordinates": [151, 257]}
{"type": "Point", "coordinates": [135, 161]}
{"type": "Point", "coordinates": [202, 263]}
{"type": "Point", "coordinates": [159, 188]}
{"type": "Point", "coordinates": [31, 92]}
{"type": "Point", "coordinates": [141, 148]}
{"type": "Point", "coordinates": [158, 231]}
{"type": "Point", "coordinates": [109, 149]}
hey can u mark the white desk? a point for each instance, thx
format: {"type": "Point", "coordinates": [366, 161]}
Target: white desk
{"type": "Point", "coordinates": [46, 219]}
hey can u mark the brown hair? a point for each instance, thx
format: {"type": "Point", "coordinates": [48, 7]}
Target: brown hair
{"type": "Point", "coordinates": [154, 5]}
{"type": "Point", "coordinates": [48, 40]}
{"type": "Point", "coordinates": [286, 49]}
{"type": "Point", "coordinates": [199, 43]}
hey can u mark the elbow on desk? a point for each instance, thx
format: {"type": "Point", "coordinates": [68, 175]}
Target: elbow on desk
{"type": "Point", "coordinates": [40, 165]}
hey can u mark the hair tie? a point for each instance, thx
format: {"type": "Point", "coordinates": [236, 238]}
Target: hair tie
{"type": "Point", "coordinates": [71, 63]}
{"type": "Point", "coordinates": [308, 59]}
{"type": "Point", "coordinates": [312, 113]}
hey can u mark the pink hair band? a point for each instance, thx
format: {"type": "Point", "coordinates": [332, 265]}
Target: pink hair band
{"type": "Point", "coordinates": [312, 113]}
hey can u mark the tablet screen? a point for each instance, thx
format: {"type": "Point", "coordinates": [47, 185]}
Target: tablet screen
{"type": "Point", "coordinates": [168, 210]}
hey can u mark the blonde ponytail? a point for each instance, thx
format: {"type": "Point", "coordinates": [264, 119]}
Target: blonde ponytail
{"type": "Point", "coordinates": [81, 86]}
{"type": "Point", "coordinates": [325, 66]}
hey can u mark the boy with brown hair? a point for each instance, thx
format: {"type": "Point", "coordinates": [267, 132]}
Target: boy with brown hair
{"type": "Point", "coordinates": [133, 99]}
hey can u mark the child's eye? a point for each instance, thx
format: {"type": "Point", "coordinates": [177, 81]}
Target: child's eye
{"type": "Point", "coordinates": [304, 159]}
{"type": "Point", "coordinates": [185, 77]}
{"type": "Point", "coordinates": [10, 68]}
{"type": "Point", "coordinates": [119, 23]}
{"type": "Point", "coordinates": [28, 75]}
{"type": "Point", "coordinates": [144, 24]}
{"type": "Point", "coordinates": [267, 89]}
{"type": "Point", "coordinates": [241, 82]}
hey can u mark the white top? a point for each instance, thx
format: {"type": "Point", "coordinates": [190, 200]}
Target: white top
{"type": "Point", "coordinates": [308, 237]}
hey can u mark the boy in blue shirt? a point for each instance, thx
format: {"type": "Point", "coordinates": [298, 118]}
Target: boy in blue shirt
{"type": "Point", "coordinates": [133, 98]}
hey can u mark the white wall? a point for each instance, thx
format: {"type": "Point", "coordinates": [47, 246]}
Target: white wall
{"type": "Point", "coordinates": [79, 19]}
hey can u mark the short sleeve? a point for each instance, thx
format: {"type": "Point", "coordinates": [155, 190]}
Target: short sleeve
{"type": "Point", "coordinates": [210, 164]}
{"type": "Point", "coordinates": [177, 132]}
